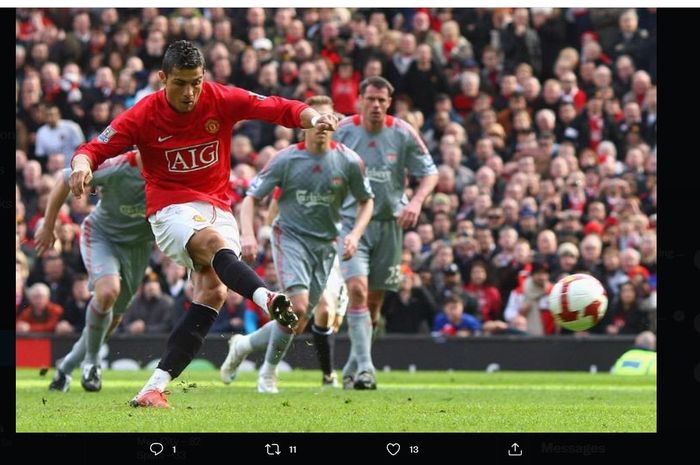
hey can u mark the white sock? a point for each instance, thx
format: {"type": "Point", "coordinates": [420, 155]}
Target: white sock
{"type": "Point", "coordinates": [243, 344]}
{"type": "Point", "coordinates": [159, 380]}
{"type": "Point", "coordinates": [260, 297]}
{"type": "Point", "coordinates": [268, 368]}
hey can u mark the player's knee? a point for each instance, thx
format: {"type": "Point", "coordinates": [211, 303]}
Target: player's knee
{"type": "Point", "coordinates": [107, 294]}
{"type": "Point", "coordinates": [322, 312]}
{"type": "Point", "coordinates": [204, 244]}
{"type": "Point", "coordinates": [213, 241]}
{"type": "Point", "coordinates": [358, 293]}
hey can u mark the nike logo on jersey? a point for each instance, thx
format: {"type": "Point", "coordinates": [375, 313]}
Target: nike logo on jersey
{"type": "Point", "coordinates": [163, 139]}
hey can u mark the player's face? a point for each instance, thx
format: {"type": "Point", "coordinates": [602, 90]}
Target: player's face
{"type": "Point", "coordinates": [183, 88]}
{"type": "Point", "coordinates": [375, 104]}
{"type": "Point", "coordinates": [316, 137]}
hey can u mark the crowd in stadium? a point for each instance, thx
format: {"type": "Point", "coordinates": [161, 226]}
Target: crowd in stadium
{"type": "Point", "coordinates": [542, 123]}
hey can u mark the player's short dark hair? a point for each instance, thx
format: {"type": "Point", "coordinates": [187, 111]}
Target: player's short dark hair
{"type": "Point", "coordinates": [378, 82]}
{"type": "Point", "coordinates": [182, 54]}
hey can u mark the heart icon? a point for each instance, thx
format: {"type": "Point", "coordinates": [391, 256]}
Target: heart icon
{"type": "Point", "coordinates": [392, 448]}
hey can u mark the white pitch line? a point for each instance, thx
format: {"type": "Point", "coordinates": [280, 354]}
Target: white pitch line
{"type": "Point", "coordinates": [20, 384]}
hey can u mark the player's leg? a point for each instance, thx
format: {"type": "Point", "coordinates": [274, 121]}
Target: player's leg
{"type": "Point", "coordinates": [375, 299]}
{"type": "Point", "coordinates": [323, 335]}
{"type": "Point", "coordinates": [340, 311]}
{"type": "Point", "coordinates": [133, 260]}
{"type": "Point", "coordinates": [186, 338]}
{"type": "Point", "coordinates": [341, 305]}
{"type": "Point", "coordinates": [355, 273]}
{"type": "Point", "coordinates": [359, 327]}
{"type": "Point", "coordinates": [98, 319]}
{"type": "Point", "coordinates": [384, 275]}
{"type": "Point", "coordinates": [328, 280]}
{"type": "Point", "coordinates": [103, 270]}
{"type": "Point", "coordinates": [280, 340]}
{"type": "Point", "coordinates": [306, 266]}
{"type": "Point", "coordinates": [293, 265]}
{"type": "Point", "coordinates": [219, 247]}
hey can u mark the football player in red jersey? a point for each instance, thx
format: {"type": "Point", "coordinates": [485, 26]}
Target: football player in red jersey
{"type": "Point", "coordinates": [184, 133]}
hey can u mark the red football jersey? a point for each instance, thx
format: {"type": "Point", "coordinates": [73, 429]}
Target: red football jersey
{"type": "Point", "coordinates": [187, 156]}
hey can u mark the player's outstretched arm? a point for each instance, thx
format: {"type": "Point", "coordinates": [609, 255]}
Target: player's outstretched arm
{"type": "Point", "coordinates": [81, 175]}
{"type": "Point", "coordinates": [45, 236]}
{"type": "Point", "coordinates": [310, 118]}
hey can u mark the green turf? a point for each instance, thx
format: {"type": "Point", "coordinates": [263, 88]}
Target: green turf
{"type": "Point", "coordinates": [421, 401]}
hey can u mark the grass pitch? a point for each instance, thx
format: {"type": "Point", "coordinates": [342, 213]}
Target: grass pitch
{"type": "Point", "coordinates": [411, 402]}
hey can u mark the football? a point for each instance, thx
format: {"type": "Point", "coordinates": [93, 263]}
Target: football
{"type": "Point", "coordinates": [578, 302]}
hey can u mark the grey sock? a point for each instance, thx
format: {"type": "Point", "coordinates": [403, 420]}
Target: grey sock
{"type": "Point", "coordinates": [350, 368]}
{"type": "Point", "coordinates": [360, 330]}
{"type": "Point", "coordinates": [76, 354]}
{"type": "Point", "coordinates": [259, 338]}
{"type": "Point", "coordinates": [278, 345]}
{"type": "Point", "coordinates": [97, 322]}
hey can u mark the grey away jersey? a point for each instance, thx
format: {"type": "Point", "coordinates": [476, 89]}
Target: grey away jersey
{"type": "Point", "coordinates": [121, 212]}
{"type": "Point", "coordinates": [387, 155]}
{"type": "Point", "coordinates": [313, 188]}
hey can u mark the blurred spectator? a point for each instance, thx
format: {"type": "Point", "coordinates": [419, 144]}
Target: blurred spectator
{"type": "Point", "coordinates": [231, 316]}
{"type": "Point", "coordinates": [452, 321]}
{"type": "Point", "coordinates": [411, 309]}
{"type": "Point", "coordinates": [57, 135]}
{"type": "Point", "coordinates": [547, 247]}
{"type": "Point", "coordinates": [345, 88]}
{"type": "Point", "coordinates": [568, 255]}
{"type": "Point", "coordinates": [454, 285]}
{"type": "Point", "coordinates": [68, 245]}
{"type": "Point", "coordinates": [309, 84]}
{"type": "Point", "coordinates": [647, 250]}
{"type": "Point", "coordinates": [73, 319]}
{"type": "Point", "coordinates": [29, 187]}
{"type": "Point", "coordinates": [423, 80]}
{"type": "Point", "coordinates": [20, 279]}
{"type": "Point", "coordinates": [183, 302]}
{"type": "Point", "coordinates": [486, 294]}
{"type": "Point", "coordinates": [628, 318]}
{"type": "Point", "coordinates": [151, 311]}
{"type": "Point", "coordinates": [52, 271]}
{"type": "Point", "coordinates": [591, 249]}
{"type": "Point", "coordinates": [631, 40]}
{"type": "Point", "coordinates": [613, 274]}
{"type": "Point", "coordinates": [455, 48]}
{"type": "Point", "coordinates": [569, 226]}
{"type": "Point", "coordinates": [520, 43]}
{"type": "Point", "coordinates": [175, 275]}
{"type": "Point", "coordinates": [402, 59]}
{"type": "Point", "coordinates": [41, 315]}
{"type": "Point", "coordinates": [530, 300]}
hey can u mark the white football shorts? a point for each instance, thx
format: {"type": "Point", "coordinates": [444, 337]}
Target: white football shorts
{"type": "Point", "coordinates": [174, 225]}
